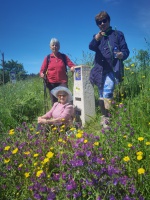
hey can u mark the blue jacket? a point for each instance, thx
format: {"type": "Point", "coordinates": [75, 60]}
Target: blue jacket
{"type": "Point", "coordinates": [104, 61]}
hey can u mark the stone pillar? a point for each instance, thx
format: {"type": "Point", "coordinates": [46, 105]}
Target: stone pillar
{"type": "Point", "coordinates": [83, 94]}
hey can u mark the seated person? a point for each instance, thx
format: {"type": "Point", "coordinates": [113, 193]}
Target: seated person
{"type": "Point", "coordinates": [62, 111]}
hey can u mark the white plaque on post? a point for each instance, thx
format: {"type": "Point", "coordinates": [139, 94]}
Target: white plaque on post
{"type": "Point", "coordinates": [83, 94]}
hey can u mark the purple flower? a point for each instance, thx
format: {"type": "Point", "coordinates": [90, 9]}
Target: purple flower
{"type": "Point", "coordinates": [77, 163]}
{"type": "Point", "coordinates": [71, 185]}
{"type": "Point", "coordinates": [37, 196]}
{"type": "Point", "coordinates": [88, 153]}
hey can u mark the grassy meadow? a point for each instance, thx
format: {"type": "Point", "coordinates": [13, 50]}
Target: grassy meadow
{"type": "Point", "coordinates": [91, 163]}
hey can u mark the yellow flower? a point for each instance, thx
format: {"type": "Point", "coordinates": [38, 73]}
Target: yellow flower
{"type": "Point", "coordinates": [51, 148]}
{"type": "Point", "coordinates": [61, 152]}
{"type": "Point", "coordinates": [6, 160]}
{"type": "Point", "coordinates": [80, 131]}
{"type": "Point", "coordinates": [126, 158]}
{"type": "Point", "coordinates": [49, 154]}
{"type": "Point", "coordinates": [139, 157]}
{"type": "Point", "coordinates": [37, 132]}
{"type": "Point", "coordinates": [72, 129]}
{"type": "Point", "coordinates": [36, 155]}
{"type": "Point", "coordinates": [132, 65]}
{"type": "Point", "coordinates": [27, 152]}
{"type": "Point", "coordinates": [127, 68]}
{"type": "Point", "coordinates": [11, 132]}
{"type": "Point", "coordinates": [141, 171]}
{"type": "Point", "coordinates": [125, 136]}
{"type": "Point", "coordinates": [15, 151]}
{"type": "Point", "coordinates": [147, 143]}
{"type": "Point", "coordinates": [132, 72]}
{"type": "Point", "coordinates": [54, 129]}
{"type": "Point", "coordinates": [38, 174]}
{"type": "Point", "coordinates": [96, 143]}
{"type": "Point", "coordinates": [31, 129]}
{"type": "Point", "coordinates": [129, 145]}
{"type": "Point", "coordinates": [45, 160]}
{"type": "Point", "coordinates": [79, 135]}
{"type": "Point", "coordinates": [60, 140]}
{"type": "Point", "coordinates": [63, 126]}
{"type": "Point", "coordinates": [85, 141]}
{"type": "Point", "coordinates": [35, 164]}
{"type": "Point", "coordinates": [140, 138]}
{"type": "Point", "coordinates": [139, 153]}
{"type": "Point", "coordinates": [27, 174]}
{"type": "Point", "coordinates": [20, 165]}
{"type": "Point", "coordinates": [7, 148]}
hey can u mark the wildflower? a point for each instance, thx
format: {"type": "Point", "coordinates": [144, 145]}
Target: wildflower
{"type": "Point", "coordinates": [45, 161]}
{"type": "Point", "coordinates": [121, 105]}
{"type": "Point", "coordinates": [72, 129]}
{"type": "Point", "coordinates": [37, 132]}
{"type": "Point", "coordinates": [139, 157]}
{"type": "Point", "coordinates": [51, 148]}
{"type": "Point", "coordinates": [35, 164]}
{"type": "Point", "coordinates": [20, 165]}
{"type": "Point", "coordinates": [129, 145]}
{"type": "Point", "coordinates": [11, 132]}
{"type": "Point", "coordinates": [27, 174]}
{"type": "Point", "coordinates": [147, 143]}
{"type": "Point", "coordinates": [96, 143]}
{"type": "Point", "coordinates": [15, 151]}
{"type": "Point", "coordinates": [139, 153]}
{"type": "Point", "coordinates": [140, 138]}
{"type": "Point", "coordinates": [143, 76]}
{"type": "Point", "coordinates": [32, 129]}
{"type": "Point", "coordinates": [27, 152]}
{"type": "Point", "coordinates": [54, 129]}
{"type": "Point", "coordinates": [61, 152]}
{"type": "Point", "coordinates": [79, 135]}
{"type": "Point", "coordinates": [38, 174]}
{"type": "Point", "coordinates": [132, 65]}
{"type": "Point", "coordinates": [7, 148]}
{"type": "Point", "coordinates": [125, 136]}
{"type": "Point", "coordinates": [49, 154]}
{"type": "Point", "coordinates": [126, 158]}
{"type": "Point", "coordinates": [6, 160]}
{"type": "Point", "coordinates": [85, 141]}
{"type": "Point", "coordinates": [141, 171]}
{"type": "Point", "coordinates": [60, 140]}
{"type": "Point", "coordinates": [127, 68]}
{"type": "Point", "coordinates": [149, 123]}
{"type": "Point", "coordinates": [63, 126]}
{"type": "Point", "coordinates": [36, 155]}
{"type": "Point", "coordinates": [132, 72]}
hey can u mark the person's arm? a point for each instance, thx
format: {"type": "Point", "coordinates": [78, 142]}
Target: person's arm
{"type": "Point", "coordinates": [124, 51]}
{"type": "Point", "coordinates": [43, 68]}
{"type": "Point", "coordinates": [94, 44]}
{"type": "Point", "coordinates": [70, 64]}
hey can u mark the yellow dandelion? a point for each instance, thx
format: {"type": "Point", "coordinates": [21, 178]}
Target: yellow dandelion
{"type": "Point", "coordinates": [126, 158]}
{"type": "Point", "coordinates": [96, 143]}
{"type": "Point", "coordinates": [80, 131]}
{"type": "Point", "coordinates": [127, 68]}
{"type": "Point", "coordinates": [125, 136]}
{"type": "Point", "coordinates": [15, 151]}
{"type": "Point", "coordinates": [54, 129]}
{"type": "Point", "coordinates": [139, 157]}
{"type": "Point", "coordinates": [50, 154]}
{"type": "Point", "coordinates": [139, 153]}
{"type": "Point", "coordinates": [147, 143]}
{"type": "Point", "coordinates": [132, 65]}
{"type": "Point", "coordinates": [129, 145]}
{"type": "Point", "coordinates": [32, 129]}
{"type": "Point", "coordinates": [27, 174]}
{"type": "Point", "coordinates": [141, 171]}
{"type": "Point", "coordinates": [35, 164]}
{"type": "Point", "coordinates": [63, 126]}
{"type": "Point", "coordinates": [85, 141]}
{"type": "Point", "coordinates": [60, 140]}
{"type": "Point", "coordinates": [38, 174]}
{"type": "Point", "coordinates": [20, 165]}
{"type": "Point", "coordinates": [46, 160]}
{"type": "Point", "coordinates": [48, 176]}
{"type": "Point", "coordinates": [51, 148]}
{"type": "Point", "coordinates": [37, 132]}
{"type": "Point", "coordinates": [78, 135]}
{"type": "Point", "coordinates": [7, 148]}
{"type": "Point", "coordinates": [61, 152]}
{"type": "Point", "coordinates": [7, 160]}
{"type": "Point", "coordinates": [36, 155]}
{"type": "Point", "coordinates": [27, 152]}
{"type": "Point", "coordinates": [72, 129]}
{"type": "Point", "coordinates": [11, 132]}
{"type": "Point", "coordinates": [140, 138]}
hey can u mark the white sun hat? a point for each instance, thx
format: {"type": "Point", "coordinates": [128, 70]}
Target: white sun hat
{"type": "Point", "coordinates": [62, 89]}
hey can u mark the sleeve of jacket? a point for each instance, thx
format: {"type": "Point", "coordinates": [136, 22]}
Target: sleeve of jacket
{"type": "Point", "coordinates": [123, 45]}
{"type": "Point", "coordinates": [94, 44]}
{"type": "Point", "coordinates": [69, 62]}
{"type": "Point", "coordinates": [67, 113]}
{"type": "Point", "coordinates": [44, 66]}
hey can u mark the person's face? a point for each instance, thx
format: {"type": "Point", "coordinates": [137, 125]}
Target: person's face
{"type": "Point", "coordinates": [103, 24]}
{"type": "Point", "coordinates": [62, 97]}
{"type": "Point", "coordinates": [54, 47]}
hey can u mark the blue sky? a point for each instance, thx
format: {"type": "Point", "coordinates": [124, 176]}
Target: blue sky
{"type": "Point", "coordinates": [26, 27]}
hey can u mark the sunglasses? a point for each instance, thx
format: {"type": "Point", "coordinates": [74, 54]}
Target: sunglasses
{"type": "Point", "coordinates": [62, 95]}
{"type": "Point", "coordinates": [100, 22]}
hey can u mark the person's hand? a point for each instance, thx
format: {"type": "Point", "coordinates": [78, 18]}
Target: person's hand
{"type": "Point", "coordinates": [41, 120]}
{"type": "Point", "coordinates": [42, 75]}
{"type": "Point", "coordinates": [119, 55]}
{"type": "Point", "coordinates": [99, 35]}
{"type": "Point", "coordinates": [72, 69]}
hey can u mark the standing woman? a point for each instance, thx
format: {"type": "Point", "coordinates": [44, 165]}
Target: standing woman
{"type": "Point", "coordinates": [54, 68]}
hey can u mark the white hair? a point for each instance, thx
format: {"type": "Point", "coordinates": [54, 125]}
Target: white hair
{"type": "Point", "coordinates": [54, 41]}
